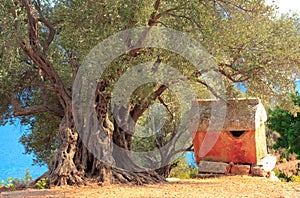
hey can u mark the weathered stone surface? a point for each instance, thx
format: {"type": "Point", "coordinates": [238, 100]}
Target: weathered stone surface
{"type": "Point", "coordinates": [238, 114]}
{"type": "Point", "coordinates": [240, 139]}
{"type": "Point", "coordinates": [264, 166]}
{"type": "Point", "coordinates": [212, 167]}
{"type": "Point", "coordinates": [258, 171]}
{"type": "Point", "coordinates": [268, 163]}
{"type": "Point", "coordinates": [228, 167]}
{"type": "Point", "coordinates": [226, 147]}
{"type": "Point", "coordinates": [240, 169]}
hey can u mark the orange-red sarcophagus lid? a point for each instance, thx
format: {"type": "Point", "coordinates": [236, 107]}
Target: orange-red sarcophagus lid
{"type": "Point", "coordinates": [229, 131]}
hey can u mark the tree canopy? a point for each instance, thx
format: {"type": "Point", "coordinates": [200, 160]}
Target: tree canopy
{"type": "Point", "coordinates": [44, 42]}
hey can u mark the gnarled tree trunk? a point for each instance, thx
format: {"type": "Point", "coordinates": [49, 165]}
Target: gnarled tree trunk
{"type": "Point", "coordinates": [63, 169]}
{"type": "Point", "coordinates": [73, 161]}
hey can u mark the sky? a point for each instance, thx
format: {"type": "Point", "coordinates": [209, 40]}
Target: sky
{"type": "Point", "coordinates": [286, 5]}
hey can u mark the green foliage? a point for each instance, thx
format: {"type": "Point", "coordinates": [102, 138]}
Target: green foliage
{"type": "Point", "coordinates": [9, 183]}
{"type": "Point", "coordinates": [295, 176]}
{"type": "Point", "coordinates": [2, 183]}
{"type": "Point", "coordinates": [281, 176]}
{"type": "Point", "coordinates": [42, 183]}
{"type": "Point", "coordinates": [41, 139]}
{"type": "Point", "coordinates": [288, 126]}
{"type": "Point", "coordinates": [284, 160]}
{"type": "Point", "coordinates": [157, 124]}
{"type": "Point", "coordinates": [183, 170]}
{"type": "Point", "coordinates": [284, 178]}
{"type": "Point", "coordinates": [285, 154]}
{"type": "Point", "coordinates": [27, 176]}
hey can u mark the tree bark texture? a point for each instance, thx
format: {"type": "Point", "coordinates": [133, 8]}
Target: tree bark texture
{"type": "Point", "coordinates": [73, 162]}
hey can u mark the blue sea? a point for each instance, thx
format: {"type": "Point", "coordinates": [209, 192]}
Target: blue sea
{"type": "Point", "coordinates": [13, 161]}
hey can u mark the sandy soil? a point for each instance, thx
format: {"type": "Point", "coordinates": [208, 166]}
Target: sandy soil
{"type": "Point", "coordinates": [230, 186]}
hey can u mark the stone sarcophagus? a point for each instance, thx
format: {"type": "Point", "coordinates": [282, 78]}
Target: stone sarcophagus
{"type": "Point", "coordinates": [238, 136]}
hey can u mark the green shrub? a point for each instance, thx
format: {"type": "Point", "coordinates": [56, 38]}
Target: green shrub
{"type": "Point", "coordinates": [288, 127]}
{"type": "Point", "coordinates": [2, 183]}
{"type": "Point", "coordinates": [42, 183]}
{"type": "Point", "coordinates": [27, 177]}
{"type": "Point", "coordinates": [284, 160]}
{"type": "Point", "coordinates": [284, 178]}
{"type": "Point", "coordinates": [10, 185]}
{"type": "Point", "coordinates": [295, 178]}
{"type": "Point", "coordinates": [183, 170]}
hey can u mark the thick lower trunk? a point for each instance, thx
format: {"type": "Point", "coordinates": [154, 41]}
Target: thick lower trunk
{"type": "Point", "coordinates": [122, 146]}
{"type": "Point", "coordinates": [74, 163]}
{"type": "Point", "coordinates": [63, 170]}
{"type": "Point", "coordinates": [128, 169]}
{"type": "Point", "coordinates": [92, 167]}
{"type": "Point", "coordinates": [164, 171]}
{"type": "Point", "coordinates": [138, 178]}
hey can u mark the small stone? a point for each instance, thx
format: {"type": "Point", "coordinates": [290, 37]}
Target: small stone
{"type": "Point", "coordinates": [258, 171]}
{"type": "Point", "coordinates": [228, 168]}
{"type": "Point", "coordinates": [212, 167]}
{"type": "Point", "coordinates": [240, 169]}
{"type": "Point", "coordinates": [172, 179]}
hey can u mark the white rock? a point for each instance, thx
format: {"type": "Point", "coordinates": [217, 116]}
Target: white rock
{"type": "Point", "coordinates": [273, 177]}
{"type": "Point", "coordinates": [268, 163]}
{"type": "Point", "coordinates": [172, 179]}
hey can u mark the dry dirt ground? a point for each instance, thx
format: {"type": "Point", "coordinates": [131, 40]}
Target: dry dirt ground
{"type": "Point", "coordinates": [230, 186]}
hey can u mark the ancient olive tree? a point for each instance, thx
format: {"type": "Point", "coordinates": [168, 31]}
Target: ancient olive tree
{"type": "Point", "coordinates": [43, 45]}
